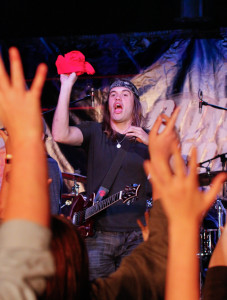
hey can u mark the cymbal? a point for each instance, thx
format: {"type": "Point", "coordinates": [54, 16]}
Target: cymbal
{"type": "Point", "coordinates": [67, 196]}
{"type": "Point", "coordinates": [74, 176]}
{"type": "Point", "coordinates": [206, 178]}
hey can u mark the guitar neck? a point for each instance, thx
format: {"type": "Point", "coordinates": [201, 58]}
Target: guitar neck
{"type": "Point", "coordinates": [101, 205]}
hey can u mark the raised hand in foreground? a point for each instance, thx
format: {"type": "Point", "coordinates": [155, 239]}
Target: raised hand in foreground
{"type": "Point", "coordinates": [184, 205]}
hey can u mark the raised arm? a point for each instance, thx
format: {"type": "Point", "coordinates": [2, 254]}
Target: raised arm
{"type": "Point", "coordinates": [24, 232]}
{"type": "Point", "coordinates": [21, 115]}
{"type": "Point", "coordinates": [160, 144]}
{"type": "Point", "coordinates": [184, 205]}
{"type": "Point", "coordinates": [61, 131]}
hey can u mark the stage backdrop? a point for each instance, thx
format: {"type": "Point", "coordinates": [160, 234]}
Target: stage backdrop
{"type": "Point", "coordinates": [181, 69]}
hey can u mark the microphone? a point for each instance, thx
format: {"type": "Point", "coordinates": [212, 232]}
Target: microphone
{"type": "Point", "coordinates": [92, 97]}
{"type": "Point", "coordinates": [200, 101]}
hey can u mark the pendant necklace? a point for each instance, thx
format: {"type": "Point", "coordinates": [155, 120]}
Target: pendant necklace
{"type": "Point", "coordinates": [119, 143]}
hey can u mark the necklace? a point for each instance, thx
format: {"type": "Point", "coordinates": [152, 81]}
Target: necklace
{"type": "Point", "coordinates": [119, 143]}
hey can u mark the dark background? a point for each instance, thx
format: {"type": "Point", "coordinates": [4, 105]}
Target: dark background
{"type": "Point", "coordinates": [27, 18]}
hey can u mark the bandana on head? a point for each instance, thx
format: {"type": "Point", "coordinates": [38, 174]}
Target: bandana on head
{"type": "Point", "coordinates": [128, 84]}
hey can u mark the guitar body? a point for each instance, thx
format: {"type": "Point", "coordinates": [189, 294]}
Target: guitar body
{"type": "Point", "coordinates": [84, 209]}
{"type": "Point", "coordinates": [77, 212]}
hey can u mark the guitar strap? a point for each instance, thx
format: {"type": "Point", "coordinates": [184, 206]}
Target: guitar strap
{"type": "Point", "coordinates": [112, 173]}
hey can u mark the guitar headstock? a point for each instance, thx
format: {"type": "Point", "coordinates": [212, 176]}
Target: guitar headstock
{"type": "Point", "coordinates": [130, 193]}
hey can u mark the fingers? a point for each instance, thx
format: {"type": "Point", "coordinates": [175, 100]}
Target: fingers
{"type": "Point", "coordinates": [39, 80]}
{"type": "Point", "coordinates": [146, 166]}
{"type": "Point", "coordinates": [170, 123]}
{"type": "Point", "coordinates": [147, 216]}
{"type": "Point", "coordinates": [156, 126]}
{"type": "Point", "coordinates": [193, 166]}
{"type": "Point", "coordinates": [172, 120]}
{"type": "Point", "coordinates": [142, 227]}
{"type": "Point", "coordinates": [16, 69]}
{"type": "Point", "coordinates": [215, 187]}
{"type": "Point", "coordinates": [180, 169]}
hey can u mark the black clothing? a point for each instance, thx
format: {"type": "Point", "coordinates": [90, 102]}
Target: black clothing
{"type": "Point", "coordinates": [101, 151]}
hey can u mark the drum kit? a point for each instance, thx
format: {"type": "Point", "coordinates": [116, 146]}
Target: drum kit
{"type": "Point", "coordinates": [67, 199]}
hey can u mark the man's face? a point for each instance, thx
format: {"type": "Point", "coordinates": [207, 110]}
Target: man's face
{"type": "Point", "coordinates": [121, 103]}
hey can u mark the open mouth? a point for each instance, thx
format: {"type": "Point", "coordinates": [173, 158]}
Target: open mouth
{"type": "Point", "coordinates": [118, 107]}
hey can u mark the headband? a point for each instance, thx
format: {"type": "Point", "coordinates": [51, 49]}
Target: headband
{"type": "Point", "coordinates": [128, 84]}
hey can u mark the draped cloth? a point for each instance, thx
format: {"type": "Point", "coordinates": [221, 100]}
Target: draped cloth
{"type": "Point", "coordinates": [171, 68]}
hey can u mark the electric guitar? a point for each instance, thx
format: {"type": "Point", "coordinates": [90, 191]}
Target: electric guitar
{"type": "Point", "coordinates": [83, 209]}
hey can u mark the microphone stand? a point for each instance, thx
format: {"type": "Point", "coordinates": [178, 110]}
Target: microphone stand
{"type": "Point", "coordinates": [223, 160]}
{"type": "Point", "coordinates": [212, 105]}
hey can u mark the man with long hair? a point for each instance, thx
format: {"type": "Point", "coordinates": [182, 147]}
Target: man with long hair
{"type": "Point", "coordinates": [116, 230]}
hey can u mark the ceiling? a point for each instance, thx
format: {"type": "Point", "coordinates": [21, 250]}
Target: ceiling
{"type": "Point", "coordinates": [117, 37]}
{"type": "Point", "coordinates": [27, 18]}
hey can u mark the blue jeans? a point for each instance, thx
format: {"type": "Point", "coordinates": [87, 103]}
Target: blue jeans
{"type": "Point", "coordinates": [106, 250]}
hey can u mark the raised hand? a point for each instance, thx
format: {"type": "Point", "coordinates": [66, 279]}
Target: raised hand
{"type": "Point", "coordinates": [68, 79]}
{"type": "Point", "coordinates": [20, 113]}
{"type": "Point", "coordinates": [160, 144]}
{"type": "Point", "coordinates": [20, 108]}
{"type": "Point", "coordinates": [179, 191]}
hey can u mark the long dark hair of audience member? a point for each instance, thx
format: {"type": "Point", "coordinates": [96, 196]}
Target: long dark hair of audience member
{"type": "Point", "coordinates": [71, 279]}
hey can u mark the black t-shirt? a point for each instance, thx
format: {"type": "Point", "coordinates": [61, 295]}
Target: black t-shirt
{"type": "Point", "coordinates": [101, 151]}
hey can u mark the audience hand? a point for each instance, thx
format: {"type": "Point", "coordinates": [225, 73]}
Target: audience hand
{"type": "Point", "coordinates": [160, 144]}
{"type": "Point", "coordinates": [144, 228]}
{"type": "Point", "coordinates": [20, 108]}
{"type": "Point", "coordinates": [179, 192]}
{"type": "Point", "coordinates": [20, 112]}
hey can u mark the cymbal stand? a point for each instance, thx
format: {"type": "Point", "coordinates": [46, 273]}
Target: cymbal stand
{"type": "Point", "coordinates": [75, 188]}
{"type": "Point", "coordinates": [221, 215]}
{"type": "Point", "coordinates": [223, 163]}
{"type": "Point", "coordinates": [219, 206]}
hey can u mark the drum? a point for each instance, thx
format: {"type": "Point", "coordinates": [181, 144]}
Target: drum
{"type": "Point", "coordinates": [210, 231]}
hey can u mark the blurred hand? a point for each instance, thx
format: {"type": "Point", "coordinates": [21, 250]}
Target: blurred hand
{"type": "Point", "coordinates": [160, 144]}
{"type": "Point", "coordinates": [144, 228]}
{"type": "Point", "coordinates": [181, 198]}
{"type": "Point", "coordinates": [24, 121]}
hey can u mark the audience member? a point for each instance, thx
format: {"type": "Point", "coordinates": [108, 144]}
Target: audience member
{"type": "Point", "coordinates": [25, 258]}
